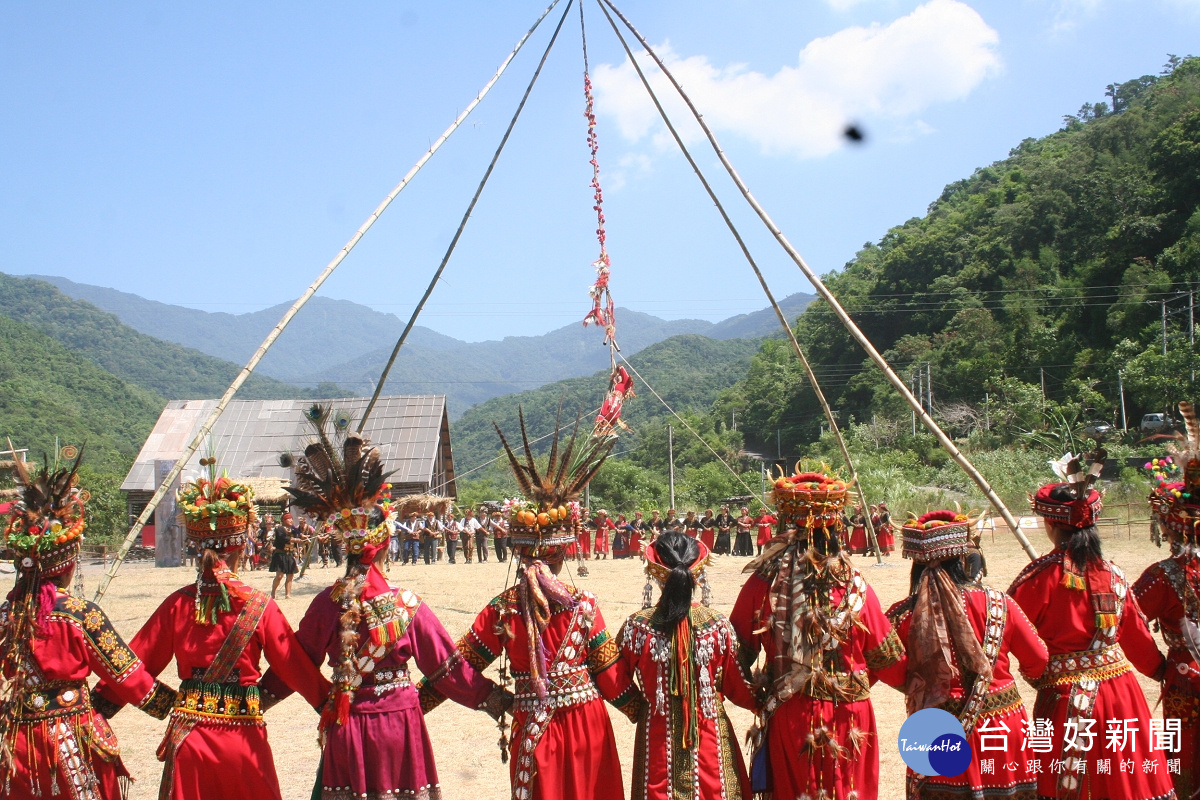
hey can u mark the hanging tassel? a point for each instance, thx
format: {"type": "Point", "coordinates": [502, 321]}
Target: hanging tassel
{"type": "Point", "coordinates": [683, 682]}
{"type": "Point", "coordinates": [647, 594]}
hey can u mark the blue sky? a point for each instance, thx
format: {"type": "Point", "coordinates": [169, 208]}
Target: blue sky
{"type": "Point", "coordinates": [218, 155]}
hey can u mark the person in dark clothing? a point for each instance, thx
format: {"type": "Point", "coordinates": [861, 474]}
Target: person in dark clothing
{"type": "Point", "coordinates": [724, 525]}
{"type": "Point", "coordinates": [500, 537]}
{"type": "Point", "coordinates": [429, 538]}
{"type": "Point", "coordinates": [481, 536]}
{"type": "Point", "coordinates": [283, 557]}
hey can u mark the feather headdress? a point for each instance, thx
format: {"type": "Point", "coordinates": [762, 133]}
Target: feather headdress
{"type": "Point", "coordinates": [47, 522]}
{"type": "Point", "coordinates": [550, 517]}
{"type": "Point", "coordinates": [341, 484]}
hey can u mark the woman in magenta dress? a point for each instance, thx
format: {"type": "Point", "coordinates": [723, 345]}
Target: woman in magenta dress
{"type": "Point", "coordinates": [819, 674]}
{"type": "Point", "coordinates": [1090, 621]}
{"type": "Point", "coordinates": [555, 641]}
{"type": "Point", "coordinates": [376, 746]}
{"type": "Point", "coordinates": [958, 636]}
{"type": "Point", "coordinates": [56, 743]}
{"type": "Point", "coordinates": [685, 658]}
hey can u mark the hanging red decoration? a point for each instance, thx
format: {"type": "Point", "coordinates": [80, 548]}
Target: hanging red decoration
{"type": "Point", "coordinates": [602, 313]}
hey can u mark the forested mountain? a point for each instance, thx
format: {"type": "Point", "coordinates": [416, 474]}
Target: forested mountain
{"type": "Point", "coordinates": [47, 390]}
{"type": "Point", "coordinates": [688, 371]}
{"type": "Point", "coordinates": [164, 368]}
{"type": "Point", "coordinates": [1063, 265]}
{"type": "Point", "coordinates": [347, 343]}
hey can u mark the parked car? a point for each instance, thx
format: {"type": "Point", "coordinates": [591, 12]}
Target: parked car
{"type": "Point", "coordinates": [1097, 430]}
{"type": "Point", "coordinates": [1157, 423]}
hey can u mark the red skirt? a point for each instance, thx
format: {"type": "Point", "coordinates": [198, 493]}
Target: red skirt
{"type": "Point", "coordinates": [576, 758]}
{"type": "Point", "coordinates": [706, 536]}
{"type": "Point", "coordinates": [1118, 698]}
{"type": "Point", "coordinates": [232, 762]}
{"type": "Point", "coordinates": [858, 540]}
{"type": "Point", "coordinates": [795, 773]}
{"type": "Point", "coordinates": [379, 754]}
{"type": "Point", "coordinates": [1008, 776]}
{"type": "Point", "coordinates": [886, 538]}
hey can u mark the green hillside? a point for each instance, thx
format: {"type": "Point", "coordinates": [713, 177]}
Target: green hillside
{"type": "Point", "coordinates": [1054, 267]}
{"type": "Point", "coordinates": [688, 371]}
{"type": "Point", "coordinates": [48, 391]}
{"type": "Point", "coordinates": [167, 369]}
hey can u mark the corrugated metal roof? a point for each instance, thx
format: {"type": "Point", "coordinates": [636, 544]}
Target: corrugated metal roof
{"type": "Point", "coordinates": [251, 434]}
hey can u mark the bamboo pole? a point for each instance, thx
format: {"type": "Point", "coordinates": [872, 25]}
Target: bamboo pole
{"type": "Point", "coordinates": [207, 427]}
{"type": "Point", "coordinates": [787, 327]}
{"type": "Point", "coordinates": [437, 275]}
{"type": "Point", "coordinates": [827, 295]}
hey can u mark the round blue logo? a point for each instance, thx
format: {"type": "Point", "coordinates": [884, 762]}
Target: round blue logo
{"type": "Point", "coordinates": [932, 742]}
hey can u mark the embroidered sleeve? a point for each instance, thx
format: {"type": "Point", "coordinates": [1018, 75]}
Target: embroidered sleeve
{"type": "Point", "coordinates": [603, 652]}
{"type": "Point", "coordinates": [887, 653]}
{"type": "Point", "coordinates": [102, 639]}
{"type": "Point", "coordinates": [159, 702]}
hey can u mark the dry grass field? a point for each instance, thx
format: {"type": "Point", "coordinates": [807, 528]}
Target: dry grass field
{"type": "Point", "coordinates": [465, 741]}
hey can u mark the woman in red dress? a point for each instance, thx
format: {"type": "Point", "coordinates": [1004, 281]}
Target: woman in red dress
{"type": "Point", "coordinates": [637, 535]}
{"type": "Point", "coordinates": [54, 743]}
{"type": "Point", "coordinates": [216, 631]}
{"type": "Point", "coordinates": [708, 526]}
{"type": "Point", "coordinates": [765, 523]}
{"type": "Point", "coordinates": [1169, 595]}
{"type": "Point", "coordinates": [376, 746]}
{"type": "Point", "coordinates": [604, 529]}
{"type": "Point", "coordinates": [958, 636]}
{"type": "Point", "coordinates": [1090, 621]}
{"type": "Point", "coordinates": [685, 746]}
{"type": "Point", "coordinates": [554, 639]}
{"type": "Point", "coordinates": [858, 532]}
{"type": "Point", "coordinates": [826, 641]}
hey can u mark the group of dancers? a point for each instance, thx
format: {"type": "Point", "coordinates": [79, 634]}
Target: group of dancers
{"type": "Point", "coordinates": [803, 647]}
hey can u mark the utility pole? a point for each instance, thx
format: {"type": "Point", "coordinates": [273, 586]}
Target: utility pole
{"type": "Point", "coordinates": [987, 407]}
{"type": "Point", "coordinates": [1121, 388]}
{"type": "Point", "coordinates": [1164, 327]}
{"type": "Point", "coordinates": [762, 477]}
{"type": "Point", "coordinates": [929, 385]}
{"type": "Point", "coordinates": [1192, 317]}
{"type": "Point", "coordinates": [1043, 371]}
{"type": "Point", "coordinates": [778, 445]}
{"type": "Point", "coordinates": [732, 420]}
{"type": "Point", "coordinates": [912, 382]}
{"type": "Point", "coordinates": [671, 460]}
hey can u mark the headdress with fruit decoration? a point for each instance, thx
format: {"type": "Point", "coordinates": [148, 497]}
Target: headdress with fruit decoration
{"type": "Point", "coordinates": [45, 525]}
{"type": "Point", "coordinates": [542, 526]}
{"type": "Point", "coordinates": [216, 510]}
{"type": "Point", "coordinates": [547, 520]}
{"type": "Point", "coordinates": [937, 535]}
{"type": "Point", "coordinates": [44, 530]}
{"type": "Point", "coordinates": [217, 513]}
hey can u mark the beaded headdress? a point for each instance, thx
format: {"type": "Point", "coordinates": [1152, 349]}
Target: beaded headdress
{"type": "Point", "coordinates": [937, 535]}
{"type": "Point", "coordinates": [216, 510]}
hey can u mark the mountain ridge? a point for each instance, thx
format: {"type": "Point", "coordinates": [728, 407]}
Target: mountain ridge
{"type": "Point", "coordinates": [468, 372]}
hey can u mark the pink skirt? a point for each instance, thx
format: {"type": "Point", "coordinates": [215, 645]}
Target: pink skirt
{"type": "Point", "coordinates": [380, 754]}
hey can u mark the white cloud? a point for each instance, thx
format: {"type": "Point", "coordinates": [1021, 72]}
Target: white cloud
{"type": "Point", "coordinates": [883, 73]}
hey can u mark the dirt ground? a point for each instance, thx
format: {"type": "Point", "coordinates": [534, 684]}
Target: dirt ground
{"type": "Point", "coordinates": [465, 742]}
